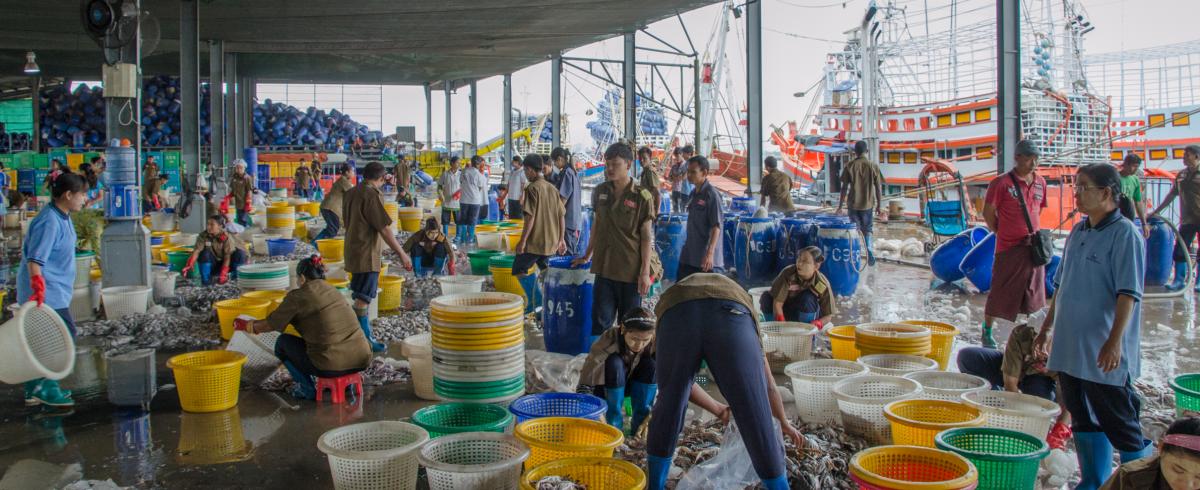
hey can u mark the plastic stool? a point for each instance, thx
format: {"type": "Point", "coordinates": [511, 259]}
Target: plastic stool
{"type": "Point", "coordinates": [338, 386]}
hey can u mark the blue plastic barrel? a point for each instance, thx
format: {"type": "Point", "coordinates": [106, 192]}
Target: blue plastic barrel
{"type": "Point", "coordinates": [585, 231]}
{"type": "Point", "coordinates": [493, 213]}
{"type": "Point", "coordinates": [668, 239]}
{"type": "Point", "coordinates": [27, 180]}
{"type": "Point", "coordinates": [122, 165]}
{"type": "Point", "coordinates": [664, 203]}
{"type": "Point", "coordinates": [123, 202]}
{"type": "Point", "coordinates": [743, 204]}
{"type": "Point", "coordinates": [945, 259]}
{"type": "Point", "coordinates": [567, 307]}
{"type": "Point", "coordinates": [250, 155]}
{"type": "Point", "coordinates": [793, 235]}
{"type": "Point", "coordinates": [839, 241]}
{"type": "Point", "coordinates": [977, 264]}
{"type": "Point", "coordinates": [1159, 247]}
{"type": "Point", "coordinates": [1051, 269]}
{"type": "Point", "coordinates": [754, 251]}
{"type": "Point", "coordinates": [728, 237]}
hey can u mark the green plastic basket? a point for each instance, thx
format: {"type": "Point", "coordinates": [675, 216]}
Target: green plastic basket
{"type": "Point", "coordinates": [484, 392]}
{"type": "Point", "coordinates": [1187, 392]}
{"type": "Point", "coordinates": [1005, 459]}
{"type": "Point", "coordinates": [452, 418]}
{"type": "Point", "coordinates": [178, 260]}
{"type": "Point", "coordinates": [480, 260]}
{"type": "Point", "coordinates": [502, 261]}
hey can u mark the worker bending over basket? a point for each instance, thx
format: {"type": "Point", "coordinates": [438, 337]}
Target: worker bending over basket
{"type": "Point", "coordinates": [429, 249]}
{"type": "Point", "coordinates": [1176, 467]}
{"type": "Point", "coordinates": [215, 249]}
{"type": "Point", "coordinates": [800, 293]}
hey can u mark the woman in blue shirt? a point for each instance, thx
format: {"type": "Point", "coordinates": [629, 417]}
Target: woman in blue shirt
{"type": "Point", "coordinates": [47, 270]}
{"type": "Point", "coordinates": [1096, 319]}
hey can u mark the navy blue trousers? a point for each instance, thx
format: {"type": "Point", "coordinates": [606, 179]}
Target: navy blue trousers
{"type": "Point", "coordinates": [332, 225]}
{"type": "Point", "coordinates": [610, 301]}
{"type": "Point", "coordinates": [985, 363]}
{"type": "Point", "coordinates": [1097, 407]}
{"type": "Point", "coordinates": [721, 333]}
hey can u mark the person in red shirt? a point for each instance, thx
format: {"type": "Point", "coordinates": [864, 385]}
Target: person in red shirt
{"type": "Point", "coordinates": [1018, 286]}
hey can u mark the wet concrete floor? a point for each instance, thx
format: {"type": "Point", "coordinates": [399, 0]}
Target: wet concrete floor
{"type": "Point", "coordinates": [269, 440]}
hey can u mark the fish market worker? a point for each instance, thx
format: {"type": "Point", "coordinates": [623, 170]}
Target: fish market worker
{"type": "Point", "coordinates": [241, 187]}
{"type": "Point", "coordinates": [800, 293]}
{"type": "Point", "coordinates": [701, 250]}
{"type": "Point", "coordinates": [331, 206]}
{"type": "Point", "coordinates": [776, 186]}
{"type": "Point", "coordinates": [47, 270]}
{"type": "Point", "coordinates": [1176, 467]}
{"type": "Point", "coordinates": [216, 246]}
{"type": "Point", "coordinates": [331, 344]}
{"type": "Point", "coordinates": [429, 249]}
{"type": "Point", "coordinates": [708, 318]}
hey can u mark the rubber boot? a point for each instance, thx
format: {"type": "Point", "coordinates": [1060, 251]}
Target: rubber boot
{"type": "Point", "coordinates": [305, 388]}
{"type": "Point", "coordinates": [529, 284]}
{"type": "Point", "coordinates": [1180, 280]}
{"type": "Point", "coordinates": [870, 251]}
{"type": "Point", "coordinates": [460, 234]}
{"type": "Point", "coordinates": [418, 270]}
{"type": "Point", "coordinates": [366, 328]}
{"type": "Point", "coordinates": [439, 266]}
{"type": "Point", "coordinates": [615, 398]}
{"type": "Point", "coordinates": [49, 393]}
{"type": "Point", "coordinates": [446, 229]}
{"type": "Point", "coordinates": [1146, 450]}
{"type": "Point", "coordinates": [778, 483]}
{"type": "Point", "coordinates": [472, 233]}
{"type": "Point", "coordinates": [30, 388]}
{"type": "Point", "coordinates": [986, 337]}
{"type": "Point", "coordinates": [642, 396]}
{"type": "Point", "coordinates": [658, 467]}
{"type": "Point", "coordinates": [1095, 459]}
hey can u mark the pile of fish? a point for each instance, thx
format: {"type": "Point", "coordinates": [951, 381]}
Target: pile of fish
{"type": "Point", "coordinates": [201, 298]}
{"type": "Point", "coordinates": [303, 250]}
{"type": "Point", "coordinates": [397, 327]}
{"type": "Point", "coordinates": [158, 329]}
{"type": "Point", "coordinates": [558, 483]}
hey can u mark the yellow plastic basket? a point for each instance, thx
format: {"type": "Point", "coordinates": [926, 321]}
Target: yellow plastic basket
{"type": "Point", "coordinates": [207, 381]}
{"type": "Point", "coordinates": [942, 337]}
{"type": "Point", "coordinates": [332, 248]}
{"type": "Point", "coordinates": [390, 298]}
{"type": "Point", "coordinates": [339, 283]}
{"type": "Point", "coordinates": [918, 422]}
{"type": "Point", "coordinates": [512, 238]}
{"type": "Point", "coordinates": [228, 310]}
{"type": "Point", "coordinates": [593, 473]}
{"type": "Point", "coordinates": [555, 438]}
{"type": "Point", "coordinates": [912, 468]}
{"type": "Point", "coordinates": [506, 282]}
{"type": "Point", "coordinates": [841, 342]}
{"type": "Point", "coordinates": [275, 296]}
{"type": "Point", "coordinates": [301, 230]}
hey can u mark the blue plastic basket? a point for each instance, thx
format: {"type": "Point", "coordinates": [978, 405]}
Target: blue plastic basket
{"type": "Point", "coordinates": [540, 405]}
{"type": "Point", "coordinates": [280, 246]}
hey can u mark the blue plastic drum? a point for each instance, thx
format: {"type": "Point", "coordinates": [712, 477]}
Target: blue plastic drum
{"type": "Point", "coordinates": [793, 235]}
{"type": "Point", "coordinates": [567, 307]}
{"type": "Point", "coordinates": [977, 264]}
{"type": "Point", "coordinates": [585, 231]}
{"type": "Point", "coordinates": [250, 155]}
{"type": "Point", "coordinates": [123, 202]}
{"type": "Point", "coordinates": [1159, 247]}
{"type": "Point", "coordinates": [743, 204]}
{"type": "Point", "coordinates": [754, 251]}
{"type": "Point", "coordinates": [668, 239]}
{"type": "Point", "coordinates": [664, 203]}
{"type": "Point", "coordinates": [839, 241]}
{"type": "Point", "coordinates": [728, 237]}
{"type": "Point", "coordinates": [1051, 270]}
{"type": "Point", "coordinates": [945, 259]}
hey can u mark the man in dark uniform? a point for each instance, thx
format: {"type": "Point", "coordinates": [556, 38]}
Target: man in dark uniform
{"type": "Point", "coordinates": [702, 247]}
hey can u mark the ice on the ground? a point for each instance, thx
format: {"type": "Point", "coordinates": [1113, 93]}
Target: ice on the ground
{"type": "Point", "coordinates": [1057, 469]}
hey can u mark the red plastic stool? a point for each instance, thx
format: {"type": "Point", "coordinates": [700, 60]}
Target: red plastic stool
{"type": "Point", "coordinates": [338, 386]}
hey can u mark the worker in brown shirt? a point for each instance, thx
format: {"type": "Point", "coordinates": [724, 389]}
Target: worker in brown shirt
{"type": "Point", "coordinates": [1175, 467]}
{"type": "Point", "coordinates": [330, 342]}
{"type": "Point", "coordinates": [800, 292]}
{"type": "Point", "coordinates": [649, 178]}
{"type": "Point", "coordinates": [217, 251]}
{"type": "Point", "coordinates": [776, 186]}
{"type": "Point", "coordinates": [1187, 187]}
{"type": "Point", "coordinates": [367, 230]}
{"type": "Point", "coordinates": [303, 180]}
{"type": "Point", "coordinates": [331, 206]}
{"type": "Point", "coordinates": [241, 187]}
{"type": "Point", "coordinates": [403, 174]}
{"type": "Point", "coordinates": [620, 246]}
{"type": "Point", "coordinates": [862, 181]}
{"type": "Point", "coordinates": [545, 222]}
{"type": "Point", "coordinates": [150, 186]}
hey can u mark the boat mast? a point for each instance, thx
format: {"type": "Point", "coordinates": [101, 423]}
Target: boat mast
{"type": "Point", "coordinates": [710, 84]}
{"type": "Point", "coordinates": [870, 76]}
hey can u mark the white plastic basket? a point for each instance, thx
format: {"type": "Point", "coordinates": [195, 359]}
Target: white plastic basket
{"type": "Point", "coordinates": [464, 284]}
{"type": "Point", "coordinates": [756, 295]}
{"type": "Point", "coordinates": [419, 351]}
{"type": "Point", "coordinates": [1016, 411]}
{"type": "Point", "coordinates": [897, 364]}
{"type": "Point", "coordinates": [786, 342]}
{"type": "Point", "coordinates": [259, 350]}
{"type": "Point", "coordinates": [861, 400]}
{"type": "Point", "coordinates": [489, 240]}
{"type": "Point", "coordinates": [162, 221]}
{"type": "Point", "coordinates": [35, 343]}
{"type": "Point", "coordinates": [183, 239]}
{"type": "Point", "coordinates": [948, 386]}
{"type": "Point", "coordinates": [373, 455]}
{"type": "Point", "coordinates": [164, 284]}
{"type": "Point", "coordinates": [812, 385]}
{"type": "Point", "coordinates": [282, 232]}
{"type": "Point", "coordinates": [474, 461]}
{"type": "Point", "coordinates": [122, 301]}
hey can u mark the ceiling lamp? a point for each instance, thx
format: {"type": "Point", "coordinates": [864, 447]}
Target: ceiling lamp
{"type": "Point", "coordinates": [31, 66]}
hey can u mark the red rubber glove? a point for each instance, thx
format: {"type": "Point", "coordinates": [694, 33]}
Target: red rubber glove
{"type": "Point", "coordinates": [38, 285]}
{"type": "Point", "coordinates": [457, 195]}
{"type": "Point", "coordinates": [818, 323]}
{"type": "Point", "coordinates": [224, 277]}
{"type": "Point", "coordinates": [242, 322]}
{"type": "Point", "coordinates": [188, 268]}
{"type": "Point", "coordinates": [450, 264]}
{"type": "Point", "coordinates": [225, 204]}
{"type": "Point", "coordinates": [249, 205]}
{"type": "Point", "coordinates": [779, 318]}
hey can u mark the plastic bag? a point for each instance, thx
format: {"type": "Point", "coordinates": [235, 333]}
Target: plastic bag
{"type": "Point", "coordinates": [551, 371]}
{"type": "Point", "coordinates": [730, 468]}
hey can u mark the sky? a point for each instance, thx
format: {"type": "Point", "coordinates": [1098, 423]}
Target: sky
{"type": "Point", "coordinates": [791, 63]}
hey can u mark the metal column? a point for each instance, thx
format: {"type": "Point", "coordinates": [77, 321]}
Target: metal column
{"type": "Point", "coordinates": [216, 116]}
{"type": "Point", "coordinates": [506, 125]}
{"type": "Point", "coordinates": [189, 111]}
{"type": "Point", "coordinates": [35, 143]}
{"type": "Point", "coordinates": [754, 128]}
{"type": "Point", "coordinates": [1008, 81]}
{"type": "Point", "coordinates": [449, 135]}
{"type": "Point", "coordinates": [233, 123]}
{"type": "Point", "coordinates": [474, 119]}
{"type": "Point", "coordinates": [245, 91]}
{"type": "Point", "coordinates": [870, 81]}
{"type": "Point", "coordinates": [700, 148]}
{"type": "Point", "coordinates": [428, 118]}
{"type": "Point", "coordinates": [556, 101]}
{"type": "Point", "coordinates": [629, 83]}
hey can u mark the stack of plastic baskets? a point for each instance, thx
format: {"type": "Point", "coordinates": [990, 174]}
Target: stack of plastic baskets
{"type": "Point", "coordinates": [1016, 411]}
{"type": "Point", "coordinates": [473, 460]}
{"type": "Point", "coordinates": [373, 455]}
{"type": "Point", "coordinates": [861, 400]}
{"type": "Point", "coordinates": [282, 216]}
{"type": "Point", "coordinates": [418, 349]}
{"type": "Point", "coordinates": [812, 384]}
{"type": "Point", "coordinates": [897, 364]}
{"type": "Point", "coordinates": [1006, 459]}
{"type": "Point", "coordinates": [916, 422]}
{"type": "Point", "coordinates": [207, 381]}
{"type": "Point", "coordinates": [35, 343]}
{"type": "Point", "coordinates": [892, 338]}
{"type": "Point", "coordinates": [480, 259]}
{"type": "Point", "coordinates": [122, 301]}
{"type": "Point", "coordinates": [478, 347]}
{"type": "Point", "coordinates": [332, 249]}
{"type": "Point", "coordinates": [410, 219]}
{"type": "Point", "coordinates": [786, 342]}
{"type": "Point", "coordinates": [271, 276]}
{"type": "Point", "coordinates": [941, 336]}
{"type": "Point", "coordinates": [555, 438]}
{"type": "Point", "coordinates": [393, 211]}
{"type": "Point", "coordinates": [599, 473]}
{"type": "Point", "coordinates": [392, 296]}
{"type": "Point", "coordinates": [912, 467]}
{"type": "Point", "coordinates": [948, 386]}
{"type": "Point", "coordinates": [540, 405]}
{"type": "Point", "coordinates": [455, 417]}
{"type": "Point", "coordinates": [841, 343]}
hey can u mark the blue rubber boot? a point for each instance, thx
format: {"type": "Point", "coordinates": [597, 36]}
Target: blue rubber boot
{"type": "Point", "coordinates": [778, 483]}
{"type": "Point", "coordinates": [529, 284]}
{"type": "Point", "coordinates": [366, 328]}
{"type": "Point", "coordinates": [1095, 459]}
{"type": "Point", "coordinates": [49, 393]}
{"type": "Point", "coordinates": [446, 229]}
{"type": "Point", "coordinates": [30, 388]}
{"type": "Point", "coordinates": [439, 266]}
{"type": "Point", "coordinates": [460, 234]}
{"type": "Point", "coordinates": [870, 251]}
{"type": "Point", "coordinates": [1180, 280]}
{"type": "Point", "coordinates": [615, 397]}
{"type": "Point", "coordinates": [472, 233]}
{"type": "Point", "coordinates": [642, 395]}
{"type": "Point", "coordinates": [305, 389]}
{"type": "Point", "coordinates": [1146, 451]}
{"type": "Point", "coordinates": [418, 269]}
{"type": "Point", "coordinates": [658, 467]}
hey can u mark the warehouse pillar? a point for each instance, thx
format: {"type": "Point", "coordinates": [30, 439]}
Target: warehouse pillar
{"type": "Point", "coordinates": [629, 83]}
{"type": "Point", "coordinates": [428, 118]}
{"type": "Point", "coordinates": [35, 140]}
{"type": "Point", "coordinates": [703, 142]}
{"type": "Point", "coordinates": [189, 113]}
{"type": "Point", "coordinates": [233, 118]}
{"type": "Point", "coordinates": [1008, 81]}
{"type": "Point", "coordinates": [506, 126]}
{"type": "Point", "coordinates": [754, 128]}
{"type": "Point", "coordinates": [245, 97]}
{"type": "Point", "coordinates": [474, 118]}
{"type": "Point", "coordinates": [449, 137]}
{"type": "Point", "coordinates": [216, 118]}
{"type": "Point", "coordinates": [556, 101]}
